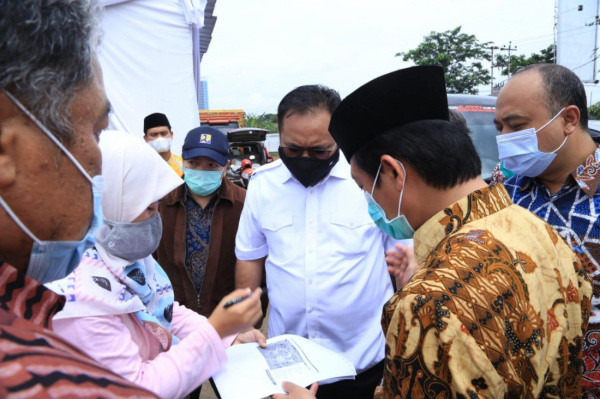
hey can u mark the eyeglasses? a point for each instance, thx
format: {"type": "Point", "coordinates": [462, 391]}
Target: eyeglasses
{"type": "Point", "coordinates": [313, 152]}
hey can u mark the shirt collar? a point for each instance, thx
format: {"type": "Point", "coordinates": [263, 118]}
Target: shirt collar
{"type": "Point", "coordinates": [26, 298]}
{"type": "Point", "coordinates": [187, 196]}
{"type": "Point", "coordinates": [586, 175]}
{"type": "Point", "coordinates": [180, 194]}
{"type": "Point", "coordinates": [475, 206]}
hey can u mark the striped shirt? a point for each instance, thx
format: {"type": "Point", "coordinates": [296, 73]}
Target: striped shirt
{"type": "Point", "coordinates": [35, 362]}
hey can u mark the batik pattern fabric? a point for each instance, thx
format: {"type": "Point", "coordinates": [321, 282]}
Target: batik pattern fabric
{"type": "Point", "coordinates": [35, 362]}
{"type": "Point", "coordinates": [497, 309]}
{"type": "Point", "coordinates": [573, 212]}
{"type": "Point", "coordinates": [197, 238]}
{"type": "Point", "coordinates": [176, 163]}
{"type": "Point", "coordinates": [497, 176]}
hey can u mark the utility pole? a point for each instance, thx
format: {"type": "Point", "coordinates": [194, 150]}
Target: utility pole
{"type": "Point", "coordinates": [555, 31]}
{"type": "Point", "coordinates": [510, 48]}
{"type": "Point", "coordinates": [492, 48]}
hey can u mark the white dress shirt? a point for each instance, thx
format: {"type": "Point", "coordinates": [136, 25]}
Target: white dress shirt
{"type": "Point", "coordinates": [325, 267]}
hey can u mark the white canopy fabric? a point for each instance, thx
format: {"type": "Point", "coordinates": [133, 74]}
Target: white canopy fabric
{"type": "Point", "coordinates": [150, 57]}
{"type": "Point", "coordinates": [577, 34]}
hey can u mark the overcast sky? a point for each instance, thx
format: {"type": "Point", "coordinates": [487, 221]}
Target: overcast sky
{"type": "Point", "coordinates": [262, 49]}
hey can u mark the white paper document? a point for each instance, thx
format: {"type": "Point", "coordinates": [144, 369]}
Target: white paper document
{"type": "Point", "coordinates": [252, 372]}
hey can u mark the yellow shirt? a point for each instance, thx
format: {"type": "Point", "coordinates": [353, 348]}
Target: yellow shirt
{"type": "Point", "coordinates": [176, 162]}
{"type": "Point", "coordinates": [497, 309]}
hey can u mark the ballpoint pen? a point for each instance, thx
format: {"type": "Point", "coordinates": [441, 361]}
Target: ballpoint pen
{"type": "Point", "coordinates": [232, 302]}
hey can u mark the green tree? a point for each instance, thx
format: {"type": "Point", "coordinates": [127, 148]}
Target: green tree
{"type": "Point", "coordinates": [263, 121]}
{"type": "Point", "coordinates": [459, 53]}
{"type": "Point", "coordinates": [519, 61]}
{"type": "Point", "coordinates": [594, 111]}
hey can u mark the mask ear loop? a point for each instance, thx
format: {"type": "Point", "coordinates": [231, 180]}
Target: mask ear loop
{"type": "Point", "coordinates": [549, 122]}
{"type": "Point", "coordinates": [403, 184]}
{"type": "Point", "coordinates": [18, 222]}
{"type": "Point", "coordinates": [43, 128]}
{"type": "Point", "coordinates": [375, 181]}
{"type": "Point", "coordinates": [560, 146]}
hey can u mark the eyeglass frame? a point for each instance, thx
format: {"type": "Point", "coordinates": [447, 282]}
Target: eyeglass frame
{"type": "Point", "coordinates": [309, 150]}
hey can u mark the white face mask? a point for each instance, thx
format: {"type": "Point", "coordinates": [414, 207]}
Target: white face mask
{"type": "Point", "coordinates": [519, 151]}
{"type": "Point", "coordinates": [161, 144]}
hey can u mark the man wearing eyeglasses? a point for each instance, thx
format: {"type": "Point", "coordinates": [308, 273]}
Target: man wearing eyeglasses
{"type": "Point", "coordinates": [305, 224]}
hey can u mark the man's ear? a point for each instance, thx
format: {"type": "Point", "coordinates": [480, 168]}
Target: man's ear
{"type": "Point", "coordinates": [8, 137]}
{"type": "Point", "coordinates": [391, 170]}
{"type": "Point", "coordinates": [571, 117]}
{"type": "Point", "coordinates": [146, 138]}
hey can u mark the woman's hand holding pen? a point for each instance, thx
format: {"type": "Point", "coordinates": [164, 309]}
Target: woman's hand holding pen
{"type": "Point", "coordinates": [239, 316]}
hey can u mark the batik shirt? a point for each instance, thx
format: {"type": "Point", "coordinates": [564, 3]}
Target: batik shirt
{"type": "Point", "coordinates": [197, 237]}
{"type": "Point", "coordinates": [176, 163]}
{"type": "Point", "coordinates": [573, 212]}
{"type": "Point", "coordinates": [496, 310]}
{"type": "Point", "coordinates": [35, 362]}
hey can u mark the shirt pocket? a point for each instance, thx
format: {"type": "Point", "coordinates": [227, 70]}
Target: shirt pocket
{"type": "Point", "coordinates": [350, 221]}
{"type": "Point", "coordinates": [279, 234]}
{"type": "Point", "coordinates": [350, 234]}
{"type": "Point", "coordinates": [276, 222]}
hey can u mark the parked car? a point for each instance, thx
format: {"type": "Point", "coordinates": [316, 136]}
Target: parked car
{"type": "Point", "coordinates": [479, 112]}
{"type": "Point", "coordinates": [246, 144]}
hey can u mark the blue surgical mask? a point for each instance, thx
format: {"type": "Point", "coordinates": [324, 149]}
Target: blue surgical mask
{"type": "Point", "coordinates": [202, 182]}
{"type": "Point", "coordinates": [519, 151]}
{"type": "Point", "coordinates": [397, 228]}
{"type": "Point", "coordinates": [53, 260]}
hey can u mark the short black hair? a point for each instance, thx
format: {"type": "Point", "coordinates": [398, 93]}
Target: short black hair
{"type": "Point", "coordinates": [307, 98]}
{"type": "Point", "coordinates": [562, 87]}
{"type": "Point", "coordinates": [441, 152]}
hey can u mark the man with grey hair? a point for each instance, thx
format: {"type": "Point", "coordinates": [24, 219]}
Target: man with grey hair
{"type": "Point", "coordinates": [52, 110]}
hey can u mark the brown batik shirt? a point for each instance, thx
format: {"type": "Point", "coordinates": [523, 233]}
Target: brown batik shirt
{"type": "Point", "coordinates": [35, 362]}
{"type": "Point", "coordinates": [497, 309]}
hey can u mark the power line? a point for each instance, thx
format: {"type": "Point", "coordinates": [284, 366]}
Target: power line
{"type": "Point", "coordinates": [582, 65]}
{"type": "Point", "coordinates": [542, 37]}
{"type": "Point", "coordinates": [578, 8]}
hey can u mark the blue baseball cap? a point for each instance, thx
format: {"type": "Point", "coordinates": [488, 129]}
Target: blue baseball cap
{"type": "Point", "coordinates": [206, 141]}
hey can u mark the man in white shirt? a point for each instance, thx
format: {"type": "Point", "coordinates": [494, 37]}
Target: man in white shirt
{"type": "Point", "coordinates": [306, 224]}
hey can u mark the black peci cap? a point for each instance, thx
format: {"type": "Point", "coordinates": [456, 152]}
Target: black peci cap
{"type": "Point", "coordinates": [389, 101]}
{"type": "Point", "coordinates": [154, 120]}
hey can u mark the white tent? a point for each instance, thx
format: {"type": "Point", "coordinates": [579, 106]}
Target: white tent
{"type": "Point", "coordinates": [577, 33]}
{"type": "Point", "coordinates": [150, 57]}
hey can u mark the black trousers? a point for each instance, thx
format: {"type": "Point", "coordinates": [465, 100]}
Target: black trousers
{"type": "Point", "coordinates": [195, 394]}
{"type": "Point", "coordinates": [363, 387]}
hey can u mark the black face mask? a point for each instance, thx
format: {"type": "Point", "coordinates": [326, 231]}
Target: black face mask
{"type": "Point", "coordinates": [309, 171]}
